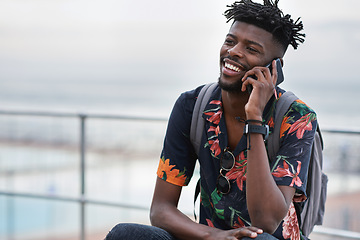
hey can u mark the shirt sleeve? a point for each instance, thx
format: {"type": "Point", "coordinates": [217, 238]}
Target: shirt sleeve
{"type": "Point", "coordinates": [178, 157]}
{"type": "Point", "coordinates": [297, 132]}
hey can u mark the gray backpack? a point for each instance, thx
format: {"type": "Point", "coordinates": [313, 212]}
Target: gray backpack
{"type": "Point", "coordinates": [312, 211]}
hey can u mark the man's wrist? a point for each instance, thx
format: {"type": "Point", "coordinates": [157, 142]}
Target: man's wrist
{"type": "Point", "coordinates": [258, 129]}
{"type": "Point", "coordinates": [254, 122]}
{"type": "Point", "coordinates": [254, 117]}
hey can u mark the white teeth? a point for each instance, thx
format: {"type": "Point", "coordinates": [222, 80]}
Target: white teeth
{"type": "Point", "coordinates": [232, 67]}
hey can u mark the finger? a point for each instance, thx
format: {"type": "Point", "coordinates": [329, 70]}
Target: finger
{"type": "Point", "coordinates": [248, 81]}
{"type": "Point", "coordinates": [246, 232]}
{"type": "Point", "coordinates": [254, 73]}
{"type": "Point", "coordinates": [257, 230]}
{"type": "Point", "coordinates": [274, 72]}
{"type": "Point", "coordinates": [250, 78]}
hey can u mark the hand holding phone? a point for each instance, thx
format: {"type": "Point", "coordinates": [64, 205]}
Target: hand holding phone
{"type": "Point", "coordinates": [280, 74]}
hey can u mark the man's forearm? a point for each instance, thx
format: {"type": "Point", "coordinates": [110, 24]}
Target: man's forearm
{"type": "Point", "coordinates": [165, 214]}
{"type": "Point", "coordinates": [266, 203]}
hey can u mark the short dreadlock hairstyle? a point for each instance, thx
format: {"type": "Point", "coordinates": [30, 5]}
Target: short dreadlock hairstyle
{"type": "Point", "coordinates": [270, 18]}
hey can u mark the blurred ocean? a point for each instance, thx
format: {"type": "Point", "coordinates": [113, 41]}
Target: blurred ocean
{"type": "Point", "coordinates": [335, 104]}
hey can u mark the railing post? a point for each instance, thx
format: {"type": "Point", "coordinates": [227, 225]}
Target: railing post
{"type": "Point", "coordinates": [82, 174]}
{"type": "Point", "coordinates": [10, 209]}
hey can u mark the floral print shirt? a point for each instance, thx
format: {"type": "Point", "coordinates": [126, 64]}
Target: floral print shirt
{"type": "Point", "coordinates": [227, 211]}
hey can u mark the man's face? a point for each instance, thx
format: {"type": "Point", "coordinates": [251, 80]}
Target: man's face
{"type": "Point", "coordinates": [245, 47]}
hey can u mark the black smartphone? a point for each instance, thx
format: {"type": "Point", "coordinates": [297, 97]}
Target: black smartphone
{"type": "Point", "coordinates": [280, 77]}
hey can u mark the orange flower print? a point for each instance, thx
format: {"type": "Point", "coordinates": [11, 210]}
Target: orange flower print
{"type": "Point", "coordinates": [238, 172]}
{"type": "Point", "coordinates": [284, 126]}
{"type": "Point", "coordinates": [215, 117]}
{"type": "Point", "coordinates": [301, 125]}
{"type": "Point", "coordinates": [239, 223]}
{"type": "Point", "coordinates": [215, 147]}
{"type": "Point", "coordinates": [216, 102]}
{"type": "Point", "coordinates": [210, 224]}
{"type": "Point", "coordinates": [290, 225]}
{"type": "Point", "coordinates": [215, 114]}
{"type": "Point", "coordinates": [170, 174]}
{"type": "Point", "coordinates": [215, 129]}
{"type": "Point", "coordinates": [285, 172]}
{"type": "Point", "coordinates": [301, 102]}
{"type": "Point", "coordinates": [271, 122]}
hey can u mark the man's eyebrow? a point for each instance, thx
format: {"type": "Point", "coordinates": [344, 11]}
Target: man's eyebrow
{"type": "Point", "coordinates": [231, 35]}
{"type": "Point", "coordinates": [254, 43]}
{"type": "Point", "coordinates": [248, 41]}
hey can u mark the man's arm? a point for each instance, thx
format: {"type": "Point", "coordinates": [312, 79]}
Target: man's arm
{"type": "Point", "coordinates": [165, 214]}
{"type": "Point", "coordinates": [267, 202]}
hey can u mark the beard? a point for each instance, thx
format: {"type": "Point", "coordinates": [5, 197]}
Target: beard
{"type": "Point", "coordinates": [232, 88]}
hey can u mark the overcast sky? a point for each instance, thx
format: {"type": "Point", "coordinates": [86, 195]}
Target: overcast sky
{"type": "Point", "coordinates": [124, 41]}
{"type": "Point", "coordinates": [118, 30]}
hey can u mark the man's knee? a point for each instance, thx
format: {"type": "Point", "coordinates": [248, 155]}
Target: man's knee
{"type": "Point", "coordinates": [264, 236]}
{"type": "Point", "coordinates": [135, 231]}
{"type": "Point", "coordinates": [116, 232]}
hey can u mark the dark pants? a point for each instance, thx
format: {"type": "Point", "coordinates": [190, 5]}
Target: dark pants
{"type": "Point", "coordinates": [132, 231]}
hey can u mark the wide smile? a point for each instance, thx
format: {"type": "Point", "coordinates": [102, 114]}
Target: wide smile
{"type": "Point", "coordinates": [231, 68]}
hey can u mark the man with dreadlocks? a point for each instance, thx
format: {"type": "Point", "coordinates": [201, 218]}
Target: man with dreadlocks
{"type": "Point", "coordinates": [243, 193]}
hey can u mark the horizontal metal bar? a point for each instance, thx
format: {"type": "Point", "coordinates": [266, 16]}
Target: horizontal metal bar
{"type": "Point", "coordinates": [342, 131]}
{"type": "Point", "coordinates": [72, 199]}
{"type": "Point", "coordinates": [75, 115]}
{"type": "Point", "coordinates": [38, 113]}
{"type": "Point", "coordinates": [336, 232]}
{"type": "Point", "coordinates": [137, 118]}
{"type": "Point", "coordinates": [318, 230]}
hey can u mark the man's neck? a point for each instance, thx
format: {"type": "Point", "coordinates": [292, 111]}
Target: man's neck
{"type": "Point", "coordinates": [234, 104]}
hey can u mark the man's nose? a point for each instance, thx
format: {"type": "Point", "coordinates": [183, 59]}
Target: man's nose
{"type": "Point", "coordinates": [235, 51]}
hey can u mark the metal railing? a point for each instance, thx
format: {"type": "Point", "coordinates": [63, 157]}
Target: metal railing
{"type": "Point", "coordinates": [83, 200]}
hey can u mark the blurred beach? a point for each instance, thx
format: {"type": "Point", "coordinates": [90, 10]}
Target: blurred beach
{"type": "Point", "coordinates": [135, 58]}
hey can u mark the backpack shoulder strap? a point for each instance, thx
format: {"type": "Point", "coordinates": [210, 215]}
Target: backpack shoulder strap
{"type": "Point", "coordinates": [197, 125]}
{"type": "Point", "coordinates": [197, 122]}
{"type": "Point", "coordinates": [282, 106]}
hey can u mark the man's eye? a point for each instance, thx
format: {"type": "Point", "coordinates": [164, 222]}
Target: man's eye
{"type": "Point", "coordinates": [251, 49]}
{"type": "Point", "coordinates": [229, 41]}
